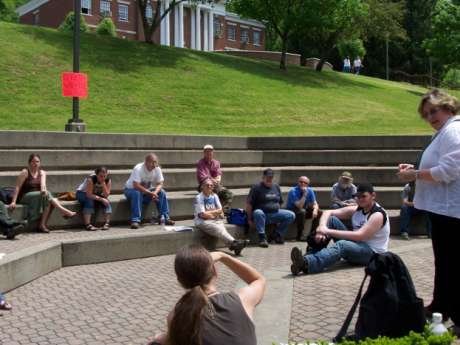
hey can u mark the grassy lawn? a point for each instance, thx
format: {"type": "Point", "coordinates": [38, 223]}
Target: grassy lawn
{"type": "Point", "coordinates": [135, 87]}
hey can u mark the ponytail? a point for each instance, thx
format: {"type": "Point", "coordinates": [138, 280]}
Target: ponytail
{"type": "Point", "coordinates": [185, 326]}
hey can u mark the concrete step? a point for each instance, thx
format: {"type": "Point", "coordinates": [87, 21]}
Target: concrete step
{"type": "Point", "coordinates": [66, 140]}
{"type": "Point", "coordinates": [181, 205]}
{"type": "Point", "coordinates": [126, 159]}
{"type": "Point", "coordinates": [185, 178]}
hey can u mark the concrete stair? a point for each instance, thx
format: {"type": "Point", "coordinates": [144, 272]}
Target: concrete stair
{"type": "Point", "coordinates": [69, 157]}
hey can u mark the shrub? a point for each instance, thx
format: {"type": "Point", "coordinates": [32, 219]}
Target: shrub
{"type": "Point", "coordinates": [68, 23]}
{"type": "Point", "coordinates": [351, 48]}
{"type": "Point", "coordinates": [452, 79]}
{"type": "Point", "coordinates": [7, 11]}
{"type": "Point", "coordinates": [106, 28]}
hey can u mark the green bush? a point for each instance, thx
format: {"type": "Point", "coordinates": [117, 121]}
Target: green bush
{"type": "Point", "coordinates": [106, 28]}
{"type": "Point", "coordinates": [452, 79]}
{"type": "Point", "coordinates": [7, 11]}
{"type": "Point", "coordinates": [68, 23]}
{"type": "Point", "coordinates": [352, 49]}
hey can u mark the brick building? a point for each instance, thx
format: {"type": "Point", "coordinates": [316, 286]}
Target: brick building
{"type": "Point", "coordinates": [200, 27]}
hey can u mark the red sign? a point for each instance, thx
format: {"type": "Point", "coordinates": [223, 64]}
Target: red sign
{"type": "Point", "coordinates": [74, 84]}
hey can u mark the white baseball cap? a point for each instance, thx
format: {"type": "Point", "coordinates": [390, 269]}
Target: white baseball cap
{"type": "Point", "coordinates": [208, 147]}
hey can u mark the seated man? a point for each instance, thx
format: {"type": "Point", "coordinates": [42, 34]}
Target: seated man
{"type": "Point", "coordinates": [263, 207]}
{"type": "Point", "coordinates": [408, 211]}
{"type": "Point", "coordinates": [144, 185]}
{"type": "Point", "coordinates": [9, 227]}
{"type": "Point", "coordinates": [209, 168]}
{"type": "Point", "coordinates": [302, 201]}
{"type": "Point", "coordinates": [370, 234]}
{"type": "Point", "coordinates": [343, 191]}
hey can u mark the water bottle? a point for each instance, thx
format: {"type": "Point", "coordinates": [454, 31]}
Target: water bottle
{"type": "Point", "coordinates": [437, 327]}
{"type": "Point", "coordinates": [162, 220]}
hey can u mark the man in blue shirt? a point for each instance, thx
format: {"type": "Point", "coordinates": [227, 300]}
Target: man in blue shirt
{"type": "Point", "coordinates": [263, 206]}
{"type": "Point", "coordinates": [302, 201]}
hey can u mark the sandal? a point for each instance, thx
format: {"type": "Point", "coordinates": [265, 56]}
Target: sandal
{"type": "Point", "coordinates": [90, 227]}
{"type": "Point", "coordinates": [106, 226]}
{"type": "Point", "coordinates": [68, 216]}
{"type": "Point", "coordinates": [4, 305]}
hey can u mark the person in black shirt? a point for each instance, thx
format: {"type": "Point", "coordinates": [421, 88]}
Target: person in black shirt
{"type": "Point", "coordinates": [263, 206]}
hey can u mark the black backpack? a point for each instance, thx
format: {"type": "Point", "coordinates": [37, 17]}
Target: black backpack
{"type": "Point", "coordinates": [6, 194]}
{"type": "Point", "coordinates": [390, 307]}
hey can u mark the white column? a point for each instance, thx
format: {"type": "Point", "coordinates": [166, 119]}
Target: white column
{"type": "Point", "coordinates": [211, 31]}
{"type": "Point", "coordinates": [176, 26]}
{"type": "Point", "coordinates": [181, 25]}
{"type": "Point", "coordinates": [166, 20]}
{"type": "Point", "coordinates": [205, 30]}
{"type": "Point", "coordinates": [192, 29]}
{"type": "Point", "coordinates": [162, 24]}
{"type": "Point", "coordinates": [198, 28]}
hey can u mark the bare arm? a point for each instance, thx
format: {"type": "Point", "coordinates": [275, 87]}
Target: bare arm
{"type": "Point", "coordinates": [249, 213]}
{"type": "Point", "coordinates": [106, 188]}
{"type": "Point", "coordinates": [141, 188]}
{"type": "Point", "coordinates": [252, 294]}
{"type": "Point", "coordinates": [211, 214]}
{"type": "Point", "coordinates": [43, 181]}
{"type": "Point", "coordinates": [341, 213]}
{"type": "Point", "coordinates": [19, 182]}
{"type": "Point", "coordinates": [368, 230]}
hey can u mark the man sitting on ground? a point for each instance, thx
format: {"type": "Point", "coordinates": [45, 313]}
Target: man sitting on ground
{"type": "Point", "coordinates": [370, 234]}
{"type": "Point", "coordinates": [145, 184]}
{"type": "Point", "coordinates": [209, 168]}
{"type": "Point", "coordinates": [263, 206]}
{"type": "Point", "coordinates": [343, 191]}
{"type": "Point", "coordinates": [302, 201]}
{"type": "Point", "coordinates": [8, 226]}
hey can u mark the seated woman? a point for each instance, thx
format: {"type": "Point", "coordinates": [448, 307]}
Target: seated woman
{"type": "Point", "coordinates": [204, 316]}
{"type": "Point", "coordinates": [31, 190]}
{"type": "Point", "coordinates": [95, 188]}
{"type": "Point", "coordinates": [209, 216]}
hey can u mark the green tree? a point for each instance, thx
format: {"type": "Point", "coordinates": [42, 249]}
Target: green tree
{"type": "Point", "coordinates": [68, 24]}
{"type": "Point", "coordinates": [445, 41]}
{"type": "Point", "coordinates": [352, 49]}
{"type": "Point", "coordinates": [323, 24]}
{"type": "Point", "coordinates": [150, 25]}
{"type": "Point", "coordinates": [7, 11]}
{"type": "Point", "coordinates": [280, 17]}
{"type": "Point", "coordinates": [106, 28]}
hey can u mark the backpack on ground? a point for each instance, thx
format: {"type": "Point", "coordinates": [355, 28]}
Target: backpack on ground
{"type": "Point", "coordinates": [6, 194]}
{"type": "Point", "coordinates": [390, 307]}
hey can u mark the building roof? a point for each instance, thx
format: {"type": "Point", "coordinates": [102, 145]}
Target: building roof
{"type": "Point", "coordinates": [30, 6]}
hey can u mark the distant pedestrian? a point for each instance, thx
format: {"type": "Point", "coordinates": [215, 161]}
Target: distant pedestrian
{"type": "Point", "coordinates": [346, 65]}
{"type": "Point", "coordinates": [357, 65]}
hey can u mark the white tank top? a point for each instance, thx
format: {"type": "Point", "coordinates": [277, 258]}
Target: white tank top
{"type": "Point", "coordinates": [378, 242]}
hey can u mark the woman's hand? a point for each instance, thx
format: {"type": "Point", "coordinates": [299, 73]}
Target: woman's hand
{"type": "Point", "coordinates": [44, 192]}
{"type": "Point", "coordinates": [12, 206]}
{"type": "Point", "coordinates": [405, 166]}
{"type": "Point", "coordinates": [104, 201]}
{"type": "Point", "coordinates": [407, 175]}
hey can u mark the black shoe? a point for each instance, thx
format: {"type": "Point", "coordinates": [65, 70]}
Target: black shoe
{"type": "Point", "coordinates": [11, 233]}
{"type": "Point", "coordinates": [279, 240]}
{"type": "Point", "coordinates": [298, 262]}
{"type": "Point", "coordinates": [238, 245]}
{"type": "Point", "coordinates": [263, 243]}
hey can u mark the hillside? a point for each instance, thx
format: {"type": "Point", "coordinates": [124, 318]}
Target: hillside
{"type": "Point", "coordinates": [136, 87]}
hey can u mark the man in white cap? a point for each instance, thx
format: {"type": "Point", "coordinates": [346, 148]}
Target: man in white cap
{"type": "Point", "coordinates": [343, 191]}
{"type": "Point", "coordinates": [208, 168]}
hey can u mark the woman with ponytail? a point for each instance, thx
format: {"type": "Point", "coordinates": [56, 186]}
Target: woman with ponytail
{"type": "Point", "coordinates": [204, 316]}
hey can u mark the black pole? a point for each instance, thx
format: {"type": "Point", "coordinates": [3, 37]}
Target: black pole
{"type": "Point", "coordinates": [75, 124]}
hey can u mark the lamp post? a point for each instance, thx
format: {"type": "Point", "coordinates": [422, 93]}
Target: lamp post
{"type": "Point", "coordinates": [75, 124]}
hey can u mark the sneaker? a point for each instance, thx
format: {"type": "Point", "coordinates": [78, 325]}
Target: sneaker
{"type": "Point", "coordinates": [263, 243]}
{"type": "Point", "coordinates": [298, 262]}
{"type": "Point", "coordinates": [279, 240]}
{"type": "Point", "coordinates": [134, 225]}
{"type": "Point", "coordinates": [11, 233]}
{"type": "Point", "coordinates": [405, 236]}
{"type": "Point", "coordinates": [169, 222]}
{"type": "Point", "coordinates": [238, 245]}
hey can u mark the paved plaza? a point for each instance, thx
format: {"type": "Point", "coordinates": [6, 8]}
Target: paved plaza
{"type": "Point", "coordinates": [125, 302]}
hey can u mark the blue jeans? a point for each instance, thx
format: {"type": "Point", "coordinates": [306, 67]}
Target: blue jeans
{"type": "Point", "coordinates": [407, 212]}
{"type": "Point", "coordinates": [137, 199]}
{"type": "Point", "coordinates": [354, 252]}
{"type": "Point", "coordinates": [283, 218]}
{"type": "Point", "coordinates": [88, 204]}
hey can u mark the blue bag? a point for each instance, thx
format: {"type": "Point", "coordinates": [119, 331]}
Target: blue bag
{"type": "Point", "coordinates": [237, 216]}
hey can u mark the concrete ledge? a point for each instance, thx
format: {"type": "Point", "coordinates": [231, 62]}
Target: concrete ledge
{"type": "Point", "coordinates": [21, 267]}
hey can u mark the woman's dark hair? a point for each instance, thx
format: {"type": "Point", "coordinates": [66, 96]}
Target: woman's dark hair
{"type": "Point", "coordinates": [194, 269]}
{"type": "Point", "coordinates": [100, 169]}
{"type": "Point", "coordinates": [32, 156]}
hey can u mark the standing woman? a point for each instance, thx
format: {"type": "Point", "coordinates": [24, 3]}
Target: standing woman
{"type": "Point", "coordinates": [31, 190]}
{"type": "Point", "coordinates": [437, 191]}
{"type": "Point", "coordinates": [205, 316]}
{"type": "Point", "coordinates": [95, 188]}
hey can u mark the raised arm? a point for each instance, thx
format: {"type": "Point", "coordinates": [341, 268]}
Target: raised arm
{"type": "Point", "coordinates": [19, 182]}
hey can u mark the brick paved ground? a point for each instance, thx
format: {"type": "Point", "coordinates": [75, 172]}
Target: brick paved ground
{"type": "Point", "coordinates": [125, 302]}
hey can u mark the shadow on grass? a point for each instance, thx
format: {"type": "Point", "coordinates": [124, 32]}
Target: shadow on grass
{"type": "Point", "coordinates": [124, 56]}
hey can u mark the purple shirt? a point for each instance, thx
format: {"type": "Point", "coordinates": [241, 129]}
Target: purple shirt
{"type": "Point", "coordinates": [205, 169]}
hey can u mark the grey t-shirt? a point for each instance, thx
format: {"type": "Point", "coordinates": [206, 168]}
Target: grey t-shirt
{"type": "Point", "coordinates": [267, 199]}
{"type": "Point", "coordinates": [343, 194]}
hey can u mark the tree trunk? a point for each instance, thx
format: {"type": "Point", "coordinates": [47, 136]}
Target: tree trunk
{"type": "Point", "coordinates": [320, 64]}
{"type": "Point", "coordinates": [283, 64]}
{"type": "Point", "coordinates": [303, 59]}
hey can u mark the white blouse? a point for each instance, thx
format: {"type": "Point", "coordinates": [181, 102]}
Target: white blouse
{"type": "Point", "coordinates": [442, 157]}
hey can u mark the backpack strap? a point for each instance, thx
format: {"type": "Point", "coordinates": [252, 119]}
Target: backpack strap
{"type": "Point", "coordinates": [343, 330]}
